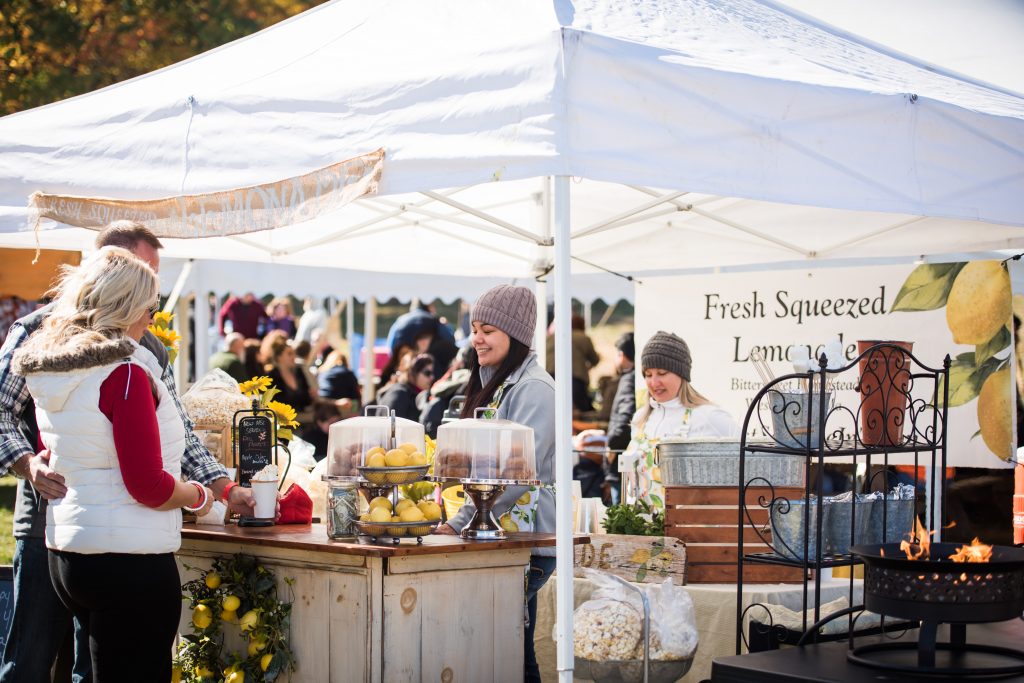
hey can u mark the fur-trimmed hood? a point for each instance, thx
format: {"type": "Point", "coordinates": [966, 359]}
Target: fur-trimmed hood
{"type": "Point", "coordinates": [32, 361]}
{"type": "Point", "coordinates": [52, 374]}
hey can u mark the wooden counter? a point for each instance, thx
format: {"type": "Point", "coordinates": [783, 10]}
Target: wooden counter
{"type": "Point", "coordinates": [445, 610]}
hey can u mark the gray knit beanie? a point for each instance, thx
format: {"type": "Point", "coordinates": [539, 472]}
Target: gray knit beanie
{"type": "Point", "coordinates": [511, 309]}
{"type": "Point", "coordinates": [666, 351]}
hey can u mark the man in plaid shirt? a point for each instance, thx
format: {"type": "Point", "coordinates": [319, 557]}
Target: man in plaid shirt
{"type": "Point", "coordinates": [40, 622]}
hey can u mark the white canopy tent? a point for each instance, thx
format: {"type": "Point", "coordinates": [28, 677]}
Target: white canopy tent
{"type": "Point", "coordinates": [778, 138]}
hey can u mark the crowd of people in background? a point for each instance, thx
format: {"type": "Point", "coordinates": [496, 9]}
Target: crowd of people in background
{"type": "Point", "coordinates": [426, 370]}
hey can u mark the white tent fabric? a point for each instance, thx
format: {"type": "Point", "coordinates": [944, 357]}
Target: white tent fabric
{"type": "Point", "coordinates": [629, 95]}
{"type": "Point", "coordinates": [758, 113]}
{"type": "Point", "coordinates": [222, 277]}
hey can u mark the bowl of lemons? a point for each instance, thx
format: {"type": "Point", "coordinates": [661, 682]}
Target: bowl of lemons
{"type": "Point", "coordinates": [407, 518]}
{"type": "Point", "coordinates": [403, 464]}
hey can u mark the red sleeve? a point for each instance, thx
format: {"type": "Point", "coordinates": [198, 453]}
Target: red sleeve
{"type": "Point", "coordinates": [127, 400]}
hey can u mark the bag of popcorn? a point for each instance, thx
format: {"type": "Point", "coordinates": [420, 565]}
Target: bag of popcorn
{"type": "Point", "coordinates": [214, 399]}
{"type": "Point", "coordinates": [609, 626]}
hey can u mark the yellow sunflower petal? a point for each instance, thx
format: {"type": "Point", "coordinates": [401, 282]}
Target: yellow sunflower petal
{"type": "Point", "coordinates": [254, 386]}
{"type": "Point", "coordinates": [285, 413]}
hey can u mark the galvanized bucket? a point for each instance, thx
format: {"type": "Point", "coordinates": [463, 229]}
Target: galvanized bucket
{"type": "Point", "coordinates": [716, 462]}
{"type": "Point", "coordinates": [794, 419]}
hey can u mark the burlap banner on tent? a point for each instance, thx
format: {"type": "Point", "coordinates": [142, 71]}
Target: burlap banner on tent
{"type": "Point", "coordinates": [230, 212]}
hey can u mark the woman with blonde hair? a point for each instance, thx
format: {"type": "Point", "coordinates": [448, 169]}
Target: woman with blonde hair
{"type": "Point", "coordinates": [117, 439]}
{"type": "Point", "coordinates": [674, 408]}
{"type": "Point", "coordinates": [280, 316]}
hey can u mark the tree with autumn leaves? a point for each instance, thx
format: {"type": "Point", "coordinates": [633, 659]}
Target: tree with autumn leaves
{"type": "Point", "coordinates": [54, 49]}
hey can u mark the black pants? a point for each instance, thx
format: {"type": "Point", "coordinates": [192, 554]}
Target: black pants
{"type": "Point", "coordinates": [129, 607]}
{"type": "Point", "coordinates": [538, 574]}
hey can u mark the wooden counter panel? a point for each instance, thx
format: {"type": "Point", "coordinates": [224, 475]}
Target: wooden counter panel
{"type": "Point", "coordinates": [313, 537]}
{"type": "Point", "coordinates": [446, 610]}
{"type": "Point", "coordinates": [436, 634]}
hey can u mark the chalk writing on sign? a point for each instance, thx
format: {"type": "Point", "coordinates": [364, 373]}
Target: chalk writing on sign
{"type": "Point", "coordinates": [255, 446]}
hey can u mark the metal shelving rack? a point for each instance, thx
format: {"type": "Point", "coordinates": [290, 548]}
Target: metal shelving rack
{"type": "Point", "coordinates": [839, 434]}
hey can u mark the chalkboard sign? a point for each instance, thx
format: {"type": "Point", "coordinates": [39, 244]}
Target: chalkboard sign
{"type": "Point", "coordinates": [6, 602]}
{"type": "Point", "coordinates": [255, 436]}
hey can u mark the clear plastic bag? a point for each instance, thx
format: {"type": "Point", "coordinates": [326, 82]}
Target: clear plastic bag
{"type": "Point", "coordinates": [214, 399]}
{"type": "Point", "coordinates": [673, 623]}
{"type": "Point", "coordinates": [302, 454]}
{"type": "Point", "coordinates": [609, 626]}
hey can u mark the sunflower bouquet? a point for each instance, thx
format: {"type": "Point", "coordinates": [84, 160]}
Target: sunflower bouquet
{"type": "Point", "coordinates": [262, 390]}
{"type": "Point", "coordinates": [161, 329]}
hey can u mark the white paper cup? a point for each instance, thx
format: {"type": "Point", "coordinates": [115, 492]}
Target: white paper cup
{"type": "Point", "coordinates": [265, 495]}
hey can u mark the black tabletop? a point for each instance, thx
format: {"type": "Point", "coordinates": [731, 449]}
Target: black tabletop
{"type": "Point", "coordinates": [827, 661]}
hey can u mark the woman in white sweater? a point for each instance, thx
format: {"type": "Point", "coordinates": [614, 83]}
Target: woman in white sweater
{"type": "Point", "coordinates": [674, 408]}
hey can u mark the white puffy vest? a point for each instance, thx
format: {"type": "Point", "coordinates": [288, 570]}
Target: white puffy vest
{"type": "Point", "coordinates": [98, 515]}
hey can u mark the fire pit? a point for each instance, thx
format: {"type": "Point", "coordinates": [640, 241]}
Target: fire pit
{"type": "Point", "coordinates": [921, 582]}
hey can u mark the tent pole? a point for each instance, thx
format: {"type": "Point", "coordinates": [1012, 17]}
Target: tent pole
{"type": "Point", "coordinates": [181, 314]}
{"type": "Point", "coordinates": [202, 322]}
{"type": "Point", "coordinates": [540, 337]}
{"type": "Point", "coordinates": [563, 432]}
{"type": "Point", "coordinates": [541, 220]}
{"type": "Point", "coordinates": [369, 358]}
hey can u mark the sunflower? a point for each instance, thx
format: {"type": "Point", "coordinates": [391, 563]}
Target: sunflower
{"type": "Point", "coordinates": [168, 338]}
{"type": "Point", "coordinates": [285, 413]}
{"type": "Point", "coordinates": [255, 386]}
{"type": "Point", "coordinates": [162, 319]}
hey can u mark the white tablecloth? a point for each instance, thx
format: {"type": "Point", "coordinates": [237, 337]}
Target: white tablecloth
{"type": "Point", "coordinates": [715, 609]}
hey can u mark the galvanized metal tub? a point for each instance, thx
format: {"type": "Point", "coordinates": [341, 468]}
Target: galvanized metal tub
{"type": "Point", "coordinates": [891, 521]}
{"type": "Point", "coordinates": [708, 461]}
{"type": "Point", "coordinates": [845, 525]}
{"type": "Point", "coordinates": [789, 532]}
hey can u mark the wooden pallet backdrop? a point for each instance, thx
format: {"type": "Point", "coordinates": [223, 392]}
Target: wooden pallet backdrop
{"type": "Point", "coordinates": [704, 517]}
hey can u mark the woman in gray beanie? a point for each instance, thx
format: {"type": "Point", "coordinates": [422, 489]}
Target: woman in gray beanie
{"type": "Point", "coordinates": [674, 408]}
{"type": "Point", "coordinates": [509, 380]}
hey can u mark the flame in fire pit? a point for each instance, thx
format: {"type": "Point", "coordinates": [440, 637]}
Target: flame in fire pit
{"type": "Point", "coordinates": [917, 546]}
{"type": "Point", "coordinates": [975, 552]}
{"type": "Point", "coordinates": [918, 543]}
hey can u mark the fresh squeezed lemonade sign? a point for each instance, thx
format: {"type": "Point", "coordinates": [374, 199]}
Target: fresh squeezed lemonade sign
{"type": "Point", "coordinates": [960, 309]}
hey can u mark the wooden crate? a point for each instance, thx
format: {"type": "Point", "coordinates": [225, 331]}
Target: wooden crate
{"type": "Point", "coordinates": [705, 517]}
{"type": "Point", "coordinates": [641, 559]}
{"type": "Point", "coordinates": [218, 441]}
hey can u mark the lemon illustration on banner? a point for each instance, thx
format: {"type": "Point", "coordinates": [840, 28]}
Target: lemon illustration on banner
{"type": "Point", "coordinates": [978, 302]}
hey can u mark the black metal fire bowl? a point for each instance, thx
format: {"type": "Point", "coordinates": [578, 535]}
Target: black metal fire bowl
{"type": "Point", "coordinates": [940, 590]}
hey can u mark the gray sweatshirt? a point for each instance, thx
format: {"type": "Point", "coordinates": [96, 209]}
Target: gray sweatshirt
{"type": "Point", "coordinates": [529, 399]}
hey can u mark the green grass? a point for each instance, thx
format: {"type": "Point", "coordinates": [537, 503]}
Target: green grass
{"type": "Point", "coordinates": [8, 489]}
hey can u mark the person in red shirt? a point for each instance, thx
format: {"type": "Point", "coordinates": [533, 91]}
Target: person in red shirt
{"type": "Point", "coordinates": [245, 314]}
{"type": "Point", "coordinates": [111, 538]}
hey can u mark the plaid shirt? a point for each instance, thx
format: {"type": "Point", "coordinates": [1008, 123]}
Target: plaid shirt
{"type": "Point", "coordinates": [196, 462]}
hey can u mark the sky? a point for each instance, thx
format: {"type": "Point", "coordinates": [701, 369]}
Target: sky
{"type": "Point", "coordinates": [983, 39]}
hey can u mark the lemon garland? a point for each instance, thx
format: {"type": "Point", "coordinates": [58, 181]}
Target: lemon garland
{"type": "Point", "coordinates": [236, 584]}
